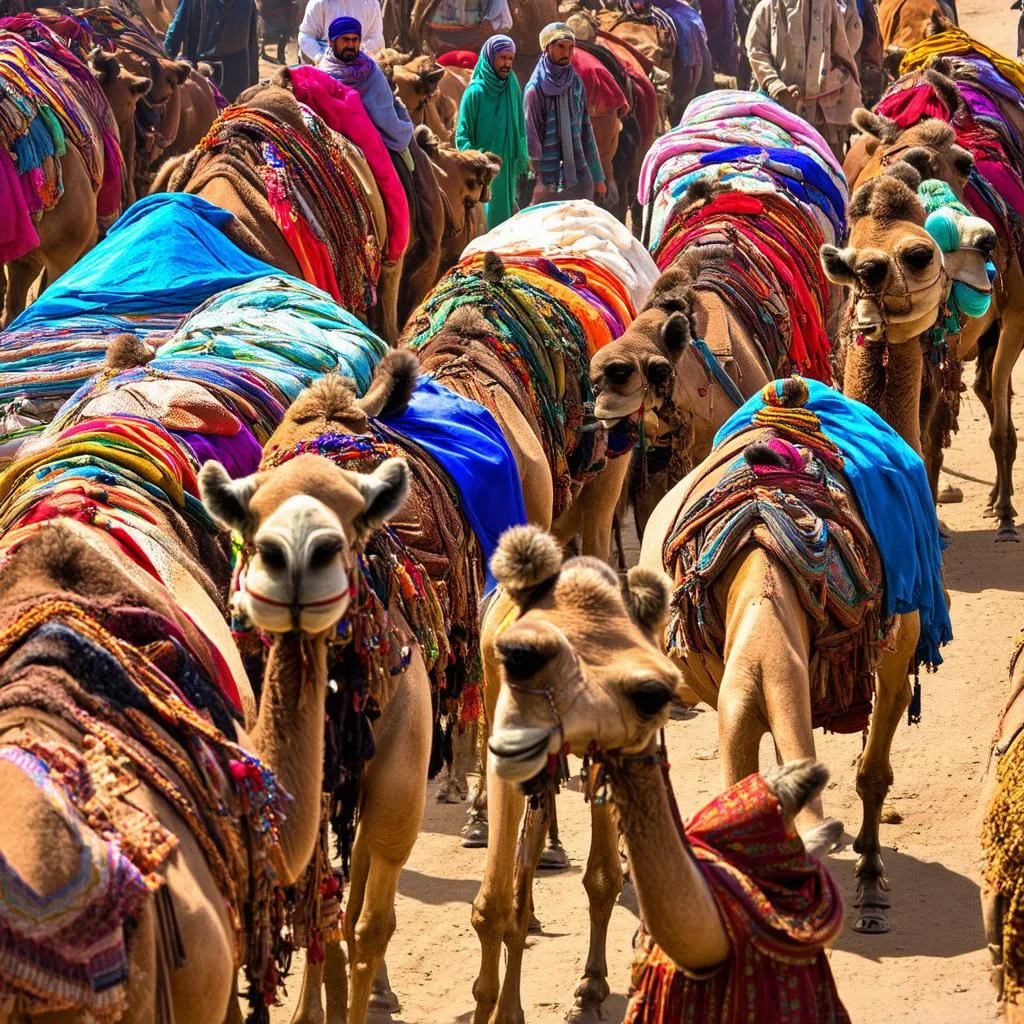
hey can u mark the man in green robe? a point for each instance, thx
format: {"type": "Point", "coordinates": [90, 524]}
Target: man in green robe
{"type": "Point", "coordinates": [491, 119]}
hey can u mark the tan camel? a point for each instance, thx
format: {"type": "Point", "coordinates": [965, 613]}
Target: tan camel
{"type": "Point", "coordinates": [293, 512]}
{"type": "Point", "coordinates": [899, 282]}
{"type": "Point", "coordinates": [70, 560]}
{"type": "Point", "coordinates": [995, 339]}
{"type": "Point", "coordinates": [1002, 801]}
{"type": "Point", "coordinates": [762, 682]}
{"type": "Point", "coordinates": [902, 23]}
{"type": "Point", "coordinates": [547, 636]}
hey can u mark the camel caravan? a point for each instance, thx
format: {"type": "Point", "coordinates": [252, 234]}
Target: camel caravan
{"type": "Point", "coordinates": [329, 413]}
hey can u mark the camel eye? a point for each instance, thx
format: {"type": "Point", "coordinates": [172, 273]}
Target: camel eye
{"type": "Point", "coordinates": [918, 258]}
{"type": "Point", "coordinates": [618, 373]}
{"type": "Point", "coordinates": [272, 554]}
{"type": "Point", "coordinates": [650, 698]}
{"type": "Point", "coordinates": [324, 552]}
{"type": "Point", "coordinates": [522, 660]}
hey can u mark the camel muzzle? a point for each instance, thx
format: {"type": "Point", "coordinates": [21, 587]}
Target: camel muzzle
{"type": "Point", "coordinates": [520, 754]}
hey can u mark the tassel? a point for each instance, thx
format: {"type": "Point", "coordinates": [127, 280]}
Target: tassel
{"type": "Point", "coordinates": [914, 711]}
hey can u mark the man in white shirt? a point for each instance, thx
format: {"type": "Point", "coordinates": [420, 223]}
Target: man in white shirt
{"type": "Point", "coordinates": [319, 15]}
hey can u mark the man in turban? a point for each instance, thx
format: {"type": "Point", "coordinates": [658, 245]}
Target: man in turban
{"type": "Point", "coordinates": [491, 119]}
{"type": "Point", "coordinates": [224, 34]}
{"type": "Point", "coordinates": [313, 32]}
{"type": "Point", "coordinates": [346, 61]}
{"type": "Point", "coordinates": [560, 138]}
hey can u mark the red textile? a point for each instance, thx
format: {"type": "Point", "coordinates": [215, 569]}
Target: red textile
{"type": "Point", "coordinates": [908, 106]}
{"type": "Point", "coordinates": [645, 98]}
{"type": "Point", "coordinates": [343, 111]}
{"type": "Point", "coordinates": [780, 908]}
{"type": "Point", "coordinates": [603, 92]}
{"type": "Point", "coordinates": [458, 59]}
{"type": "Point", "coordinates": [18, 234]}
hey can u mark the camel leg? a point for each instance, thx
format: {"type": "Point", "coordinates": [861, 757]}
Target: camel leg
{"type": "Point", "coordinates": [982, 388]}
{"type": "Point", "coordinates": [1003, 437]}
{"type": "Point", "coordinates": [310, 1008]}
{"type": "Point", "coordinates": [527, 852]}
{"type": "Point", "coordinates": [20, 275]}
{"type": "Point", "coordinates": [372, 932]}
{"type": "Point", "coordinates": [874, 776]}
{"type": "Point", "coordinates": [390, 281]}
{"type": "Point", "coordinates": [492, 915]}
{"type": "Point", "coordinates": [593, 510]}
{"type": "Point", "coordinates": [603, 882]}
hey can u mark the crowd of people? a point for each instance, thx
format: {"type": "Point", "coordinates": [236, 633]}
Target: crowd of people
{"type": "Point", "coordinates": [802, 54]}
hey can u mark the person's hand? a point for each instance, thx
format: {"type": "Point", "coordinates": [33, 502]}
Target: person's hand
{"type": "Point", "coordinates": [600, 189]}
{"type": "Point", "coordinates": [790, 98]}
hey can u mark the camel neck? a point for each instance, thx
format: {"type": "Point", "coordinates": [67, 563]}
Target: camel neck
{"type": "Point", "coordinates": [289, 737]}
{"type": "Point", "coordinates": [887, 378]}
{"type": "Point", "coordinates": [676, 904]}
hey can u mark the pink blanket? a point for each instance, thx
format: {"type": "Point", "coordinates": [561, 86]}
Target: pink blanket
{"type": "Point", "coordinates": [343, 111]}
{"type": "Point", "coordinates": [17, 232]}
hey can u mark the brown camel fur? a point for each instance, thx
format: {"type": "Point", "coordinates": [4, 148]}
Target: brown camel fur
{"type": "Point", "coordinates": [549, 631]}
{"type": "Point", "coordinates": [996, 339]}
{"type": "Point", "coordinates": [899, 282]}
{"type": "Point", "coordinates": [303, 522]}
{"type": "Point", "coordinates": [902, 23]}
{"type": "Point", "coordinates": [653, 371]}
{"type": "Point", "coordinates": [1000, 802]}
{"type": "Point", "coordinates": [71, 559]}
{"type": "Point", "coordinates": [762, 683]}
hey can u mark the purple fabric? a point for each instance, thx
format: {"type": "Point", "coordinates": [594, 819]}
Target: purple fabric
{"type": "Point", "coordinates": [550, 79]}
{"type": "Point", "coordinates": [496, 45]}
{"type": "Point", "coordinates": [344, 27]}
{"type": "Point", "coordinates": [239, 453]}
{"type": "Point", "coordinates": [355, 73]}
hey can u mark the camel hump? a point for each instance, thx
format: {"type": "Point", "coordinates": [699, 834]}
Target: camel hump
{"type": "Point", "coordinates": [790, 393]}
{"type": "Point", "coordinates": [127, 351]}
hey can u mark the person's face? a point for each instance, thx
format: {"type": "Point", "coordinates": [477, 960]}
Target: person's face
{"type": "Point", "coordinates": [503, 63]}
{"type": "Point", "coordinates": [560, 53]}
{"type": "Point", "coordinates": [347, 47]}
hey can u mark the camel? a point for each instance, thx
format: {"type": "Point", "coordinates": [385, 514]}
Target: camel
{"type": "Point", "coordinates": [765, 678]}
{"type": "Point", "coordinates": [547, 635]}
{"type": "Point", "coordinates": [1001, 807]}
{"type": "Point", "coordinates": [69, 227]}
{"type": "Point", "coordinates": [900, 281]}
{"type": "Point", "coordinates": [902, 23]}
{"type": "Point", "coordinates": [80, 573]}
{"type": "Point", "coordinates": [994, 340]}
{"type": "Point", "coordinates": [305, 511]}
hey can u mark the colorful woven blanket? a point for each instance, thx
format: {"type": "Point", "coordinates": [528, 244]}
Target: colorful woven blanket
{"type": "Point", "coordinates": [891, 487]}
{"type": "Point", "coordinates": [781, 909]}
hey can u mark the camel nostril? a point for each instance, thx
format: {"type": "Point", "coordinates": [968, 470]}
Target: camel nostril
{"type": "Point", "coordinates": [873, 273]}
{"type": "Point", "coordinates": [272, 554]}
{"type": "Point", "coordinates": [324, 552]}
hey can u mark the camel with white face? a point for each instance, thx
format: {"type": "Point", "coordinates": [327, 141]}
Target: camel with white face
{"type": "Point", "coordinates": [997, 338]}
{"type": "Point", "coordinates": [549, 634]}
{"type": "Point", "coordinates": [762, 681]}
{"type": "Point", "coordinates": [304, 523]}
{"type": "Point", "coordinates": [899, 282]}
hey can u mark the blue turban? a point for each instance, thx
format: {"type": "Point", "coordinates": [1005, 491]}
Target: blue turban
{"type": "Point", "coordinates": [344, 27]}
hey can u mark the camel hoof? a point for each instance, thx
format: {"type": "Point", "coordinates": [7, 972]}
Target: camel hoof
{"type": "Point", "coordinates": [554, 858]}
{"type": "Point", "coordinates": [872, 921]}
{"type": "Point", "coordinates": [950, 495]}
{"type": "Point", "coordinates": [944, 531]}
{"type": "Point", "coordinates": [384, 1003]}
{"type": "Point", "coordinates": [1007, 533]}
{"type": "Point", "coordinates": [584, 1015]}
{"type": "Point", "coordinates": [474, 835]}
{"type": "Point", "coordinates": [534, 927]}
{"type": "Point", "coordinates": [449, 795]}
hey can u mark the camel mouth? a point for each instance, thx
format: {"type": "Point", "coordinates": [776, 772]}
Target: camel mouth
{"type": "Point", "coordinates": [520, 754]}
{"type": "Point", "coordinates": [612, 409]}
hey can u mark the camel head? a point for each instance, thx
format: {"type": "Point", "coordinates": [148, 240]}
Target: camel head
{"type": "Point", "coordinates": [166, 76]}
{"type": "Point", "coordinates": [892, 264]}
{"type": "Point", "coordinates": [655, 361]}
{"type": "Point", "coordinates": [465, 174]}
{"type": "Point", "coordinates": [303, 521]}
{"type": "Point", "coordinates": [929, 147]}
{"type": "Point", "coordinates": [581, 664]}
{"type": "Point", "coordinates": [901, 264]}
{"type": "Point", "coordinates": [122, 89]}
{"type": "Point", "coordinates": [416, 81]}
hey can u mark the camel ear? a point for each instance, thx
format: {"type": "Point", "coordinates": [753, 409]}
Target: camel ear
{"type": "Point", "coordinates": [107, 68]}
{"type": "Point", "coordinates": [527, 558]}
{"type": "Point", "coordinates": [838, 264]}
{"type": "Point", "coordinates": [875, 126]}
{"type": "Point", "coordinates": [431, 79]}
{"type": "Point", "coordinates": [392, 386]}
{"type": "Point", "coordinates": [647, 595]}
{"type": "Point", "coordinates": [675, 333]}
{"type": "Point", "coordinates": [228, 500]}
{"type": "Point", "coordinates": [907, 173]}
{"type": "Point", "coordinates": [893, 59]}
{"type": "Point", "coordinates": [384, 491]}
{"type": "Point", "coordinates": [183, 69]}
{"type": "Point", "coordinates": [137, 85]}
{"type": "Point", "coordinates": [963, 162]}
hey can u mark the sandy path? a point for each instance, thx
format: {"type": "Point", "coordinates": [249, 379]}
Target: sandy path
{"type": "Point", "coordinates": [931, 968]}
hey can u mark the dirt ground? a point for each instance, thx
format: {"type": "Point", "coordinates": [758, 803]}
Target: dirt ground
{"type": "Point", "coordinates": [932, 967]}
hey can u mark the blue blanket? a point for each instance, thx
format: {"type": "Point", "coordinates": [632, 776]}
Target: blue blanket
{"type": "Point", "coordinates": [465, 439]}
{"type": "Point", "coordinates": [166, 254]}
{"type": "Point", "coordinates": [891, 485]}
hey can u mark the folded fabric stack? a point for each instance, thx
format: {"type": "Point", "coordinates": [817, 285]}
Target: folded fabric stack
{"type": "Point", "coordinates": [773, 192]}
{"type": "Point", "coordinates": [986, 125]}
{"type": "Point", "coordinates": [48, 102]}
